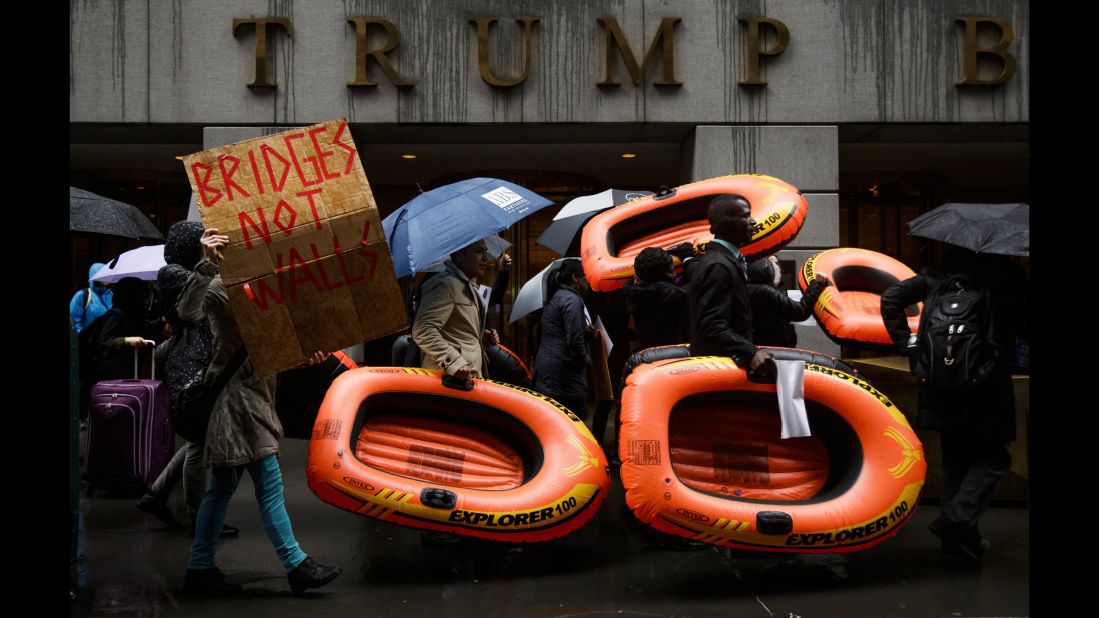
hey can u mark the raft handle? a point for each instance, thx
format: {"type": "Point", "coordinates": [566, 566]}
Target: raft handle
{"type": "Point", "coordinates": [438, 498]}
{"type": "Point", "coordinates": [456, 384]}
{"type": "Point", "coordinates": [664, 193]}
{"type": "Point", "coordinates": [774, 522]}
{"type": "Point", "coordinates": [762, 377]}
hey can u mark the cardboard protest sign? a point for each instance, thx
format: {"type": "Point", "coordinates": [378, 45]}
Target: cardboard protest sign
{"type": "Point", "coordinates": [307, 267]}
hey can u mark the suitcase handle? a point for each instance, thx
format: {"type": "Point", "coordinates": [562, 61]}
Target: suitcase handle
{"type": "Point", "coordinates": [152, 368]}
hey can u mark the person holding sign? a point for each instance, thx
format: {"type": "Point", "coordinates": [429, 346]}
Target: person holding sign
{"type": "Point", "coordinates": [243, 434]}
{"type": "Point", "coordinates": [450, 323]}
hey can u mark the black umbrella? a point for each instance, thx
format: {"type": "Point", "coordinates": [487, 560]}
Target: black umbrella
{"type": "Point", "coordinates": [1003, 229]}
{"type": "Point", "coordinates": [561, 234]}
{"type": "Point", "coordinates": [96, 214]}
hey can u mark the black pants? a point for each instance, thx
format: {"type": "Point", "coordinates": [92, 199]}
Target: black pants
{"type": "Point", "coordinates": [603, 409]}
{"type": "Point", "coordinates": [578, 404]}
{"type": "Point", "coordinates": [973, 464]}
{"type": "Point", "coordinates": [599, 421]}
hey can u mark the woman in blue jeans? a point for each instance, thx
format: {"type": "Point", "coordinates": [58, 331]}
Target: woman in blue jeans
{"type": "Point", "coordinates": [243, 435]}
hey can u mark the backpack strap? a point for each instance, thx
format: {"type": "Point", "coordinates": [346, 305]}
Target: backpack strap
{"type": "Point", "coordinates": [990, 318]}
{"type": "Point", "coordinates": [227, 372]}
{"type": "Point", "coordinates": [936, 284]}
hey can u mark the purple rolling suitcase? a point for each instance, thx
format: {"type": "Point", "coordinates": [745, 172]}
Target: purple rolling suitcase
{"type": "Point", "coordinates": [130, 438]}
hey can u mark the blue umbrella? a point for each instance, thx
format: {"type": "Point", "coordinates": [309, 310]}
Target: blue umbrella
{"type": "Point", "coordinates": [441, 221]}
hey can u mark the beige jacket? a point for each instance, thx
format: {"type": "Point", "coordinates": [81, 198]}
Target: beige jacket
{"type": "Point", "coordinates": [450, 323]}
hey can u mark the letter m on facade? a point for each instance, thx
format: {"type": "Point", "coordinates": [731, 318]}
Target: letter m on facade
{"type": "Point", "coordinates": [664, 38]}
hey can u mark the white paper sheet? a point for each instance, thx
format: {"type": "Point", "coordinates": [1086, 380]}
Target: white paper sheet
{"type": "Point", "coordinates": [791, 398]}
{"type": "Point", "coordinates": [607, 344]}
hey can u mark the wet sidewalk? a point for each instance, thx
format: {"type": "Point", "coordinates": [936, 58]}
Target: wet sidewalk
{"type": "Point", "coordinates": [134, 566]}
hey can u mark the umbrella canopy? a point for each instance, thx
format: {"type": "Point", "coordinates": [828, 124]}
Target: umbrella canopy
{"type": "Point", "coordinates": [1003, 229]}
{"type": "Point", "coordinates": [532, 295]}
{"type": "Point", "coordinates": [567, 223]}
{"type": "Point", "coordinates": [96, 214]}
{"type": "Point", "coordinates": [493, 244]}
{"type": "Point", "coordinates": [598, 202]}
{"type": "Point", "coordinates": [141, 263]}
{"type": "Point", "coordinates": [446, 219]}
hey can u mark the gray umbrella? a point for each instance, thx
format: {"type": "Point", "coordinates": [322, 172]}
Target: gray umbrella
{"type": "Point", "coordinates": [533, 294]}
{"type": "Point", "coordinates": [1003, 229]}
{"type": "Point", "coordinates": [564, 230]}
{"type": "Point", "coordinates": [96, 214]}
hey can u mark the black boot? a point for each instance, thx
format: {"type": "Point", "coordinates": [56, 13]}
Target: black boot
{"type": "Point", "coordinates": [208, 582]}
{"type": "Point", "coordinates": [969, 548]}
{"type": "Point", "coordinates": [157, 507]}
{"type": "Point", "coordinates": [309, 574]}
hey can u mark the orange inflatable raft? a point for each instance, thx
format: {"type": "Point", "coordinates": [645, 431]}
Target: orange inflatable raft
{"type": "Point", "coordinates": [301, 391]}
{"type": "Point", "coordinates": [506, 366]}
{"type": "Point", "coordinates": [485, 459]}
{"type": "Point", "coordinates": [702, 458]}
{"type": "Point", "coordinates": [849, 311]}
{"type": "Point", "coordinates": [613, 238]}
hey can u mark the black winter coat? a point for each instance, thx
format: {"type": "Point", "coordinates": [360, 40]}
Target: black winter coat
{"type": "Point", "coordinates": [773, 311]}
{"type": "Point", "coordinates": [112, 360]}
{"type": "Point", "coordinates": [659, 313]}
{"type": "Point", "coordinates": [991, 407]}
{"type": "Point", "coordinates": [561, 365]}
{"type": "Point", "coordinates": [720, 315]}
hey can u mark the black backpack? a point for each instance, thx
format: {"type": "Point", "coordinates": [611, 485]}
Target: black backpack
{"type": "Point", "coordinates": [955, 350]}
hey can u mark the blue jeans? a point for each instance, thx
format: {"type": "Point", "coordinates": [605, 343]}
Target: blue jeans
{"type": "Point", "coordinates": [267, 478]}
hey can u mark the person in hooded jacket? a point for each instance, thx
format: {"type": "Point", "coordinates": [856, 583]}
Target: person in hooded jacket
{"type": "Point", "coordinates": [560, 367]}
{"type": "Point", "coordinates": [91, 302]}
{"type": "Point", "coordinates": [187, 354]}
{"type": "Point", "coordinates": [658, 306]}
{"type": "Point", "coordinates": [119, 329]}
{"type": "Point", "coordinates": [773, 311]}
{"type": "Point", "coordinates": [242, 436]}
